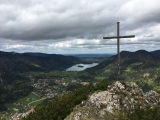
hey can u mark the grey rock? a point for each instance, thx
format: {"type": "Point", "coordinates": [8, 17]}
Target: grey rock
{"type": "Point", "coordinates": [118, 97]}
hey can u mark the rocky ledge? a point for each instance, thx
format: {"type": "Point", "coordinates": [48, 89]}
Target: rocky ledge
{"type": "Point", "coordinates": [119, 97]}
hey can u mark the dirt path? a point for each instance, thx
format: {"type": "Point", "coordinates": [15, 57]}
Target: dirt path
{"type": "Point", "coordinates": [36, 101]}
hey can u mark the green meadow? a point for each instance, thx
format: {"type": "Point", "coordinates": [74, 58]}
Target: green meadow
{"type": "Point", "coordinates": [13, 107]}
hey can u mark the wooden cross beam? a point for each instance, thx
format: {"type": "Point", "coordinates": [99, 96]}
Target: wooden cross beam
{"type": "Point", "coordinates": [118, 54]}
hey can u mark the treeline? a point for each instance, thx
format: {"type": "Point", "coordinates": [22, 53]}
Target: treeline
{"type": "Point", "coordinates": [60, 107]}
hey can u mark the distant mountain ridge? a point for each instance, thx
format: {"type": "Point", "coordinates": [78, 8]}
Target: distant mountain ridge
{"type": "Point", "coordinates": [127, 58]}
{"type": "Point", "coordinates": [90, 55]}
{"type": "Point", "coordinates": [156, 52]}
{"type": "Point", "coordinates": [35, 61]}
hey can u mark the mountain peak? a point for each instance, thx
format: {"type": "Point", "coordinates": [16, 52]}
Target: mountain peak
{"type": "Point", "coordinates": [142, 52]}
{"type": "Point", "coordinates": [118, 98]}
{"type": "Point", "coordinates": [127, 53]}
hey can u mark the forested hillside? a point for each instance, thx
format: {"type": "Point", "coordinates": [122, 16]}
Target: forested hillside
{"type": "Point", "coordinates": [13, 84]}
{"type": "Point", "coordinates": [156, 52]}
{"type": "Point", "coordinates": [148, 60]}
{"type": "Point", "coordinates": [35, 62]}
{"type": "Point", "coordinates": [141, 67]}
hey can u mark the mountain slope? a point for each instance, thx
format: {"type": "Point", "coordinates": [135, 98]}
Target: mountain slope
{"type": "Point", "coordinates": [127, 58]}
{"type": "Point", "coordinates": [33, 62]}
{"type": "Point", "coordinates": [156, 52]}
{"type": "Point", "coordinates": [12, 86]}
{"type": "Point", "coordinates": [141, 67]}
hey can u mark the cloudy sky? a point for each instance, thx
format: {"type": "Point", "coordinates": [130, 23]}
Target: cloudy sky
{"type": "Point", "coordinates": [78, 26]}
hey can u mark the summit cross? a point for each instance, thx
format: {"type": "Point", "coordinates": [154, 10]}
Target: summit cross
{"type": "Point", "coordinates": [118, 54]}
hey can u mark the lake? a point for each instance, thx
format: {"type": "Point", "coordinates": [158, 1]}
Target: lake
{"type": "Point", "coordinates": [81, 67]}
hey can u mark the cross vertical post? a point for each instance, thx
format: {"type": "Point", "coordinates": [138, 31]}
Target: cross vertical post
{"type": "Point", "coordinates": [118, 47]}
{"type": "Point", "coordinates": [118, 62]}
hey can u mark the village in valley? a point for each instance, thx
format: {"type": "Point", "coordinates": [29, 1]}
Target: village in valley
{"type": "Point", "coordinates": [44, 89]}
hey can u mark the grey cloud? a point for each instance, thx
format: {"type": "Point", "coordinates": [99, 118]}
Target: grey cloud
{"type": "Point", "coordinates": [52, 20]}
{"type": "Point", "coordinates": [81, 20]}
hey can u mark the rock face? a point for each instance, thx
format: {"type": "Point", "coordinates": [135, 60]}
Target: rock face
{"type": "Point", "coordinates": [118, 98]}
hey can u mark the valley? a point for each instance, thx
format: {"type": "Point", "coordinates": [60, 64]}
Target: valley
{"type": "Point", "coordinates": [46, 85]}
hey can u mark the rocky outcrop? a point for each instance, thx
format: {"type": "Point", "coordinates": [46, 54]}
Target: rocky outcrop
{"type": "Point", "coordinates": [120, 97]}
